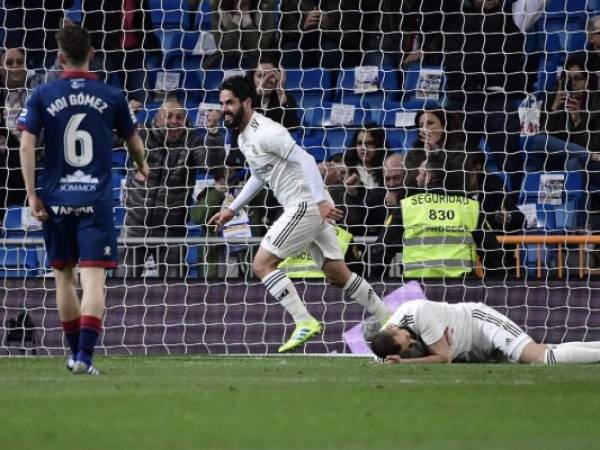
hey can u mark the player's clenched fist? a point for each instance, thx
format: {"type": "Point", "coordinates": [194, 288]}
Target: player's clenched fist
{"type": "Point", "coordinates": [221, 218]}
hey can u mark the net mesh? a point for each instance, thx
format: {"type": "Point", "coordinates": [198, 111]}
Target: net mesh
{"type": "Point", "coordinates": [508, 91]}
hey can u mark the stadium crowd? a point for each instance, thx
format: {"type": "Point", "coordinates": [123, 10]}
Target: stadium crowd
{"type": "Point", "coordinates": [470, 141]}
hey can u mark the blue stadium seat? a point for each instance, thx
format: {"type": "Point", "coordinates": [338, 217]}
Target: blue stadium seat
{"type": "Point", "coordinates": [559, 218]}
{"type": "Point", "coordinates": [391, 83]}
{"type": "Point", "coordinates": [178, 49]}
{"type": "Point", "coordinates": [192, 259]}
{"type": "Point", "coordinates": [116, 190]}
{"type": "Point", "coordinates": [565, 6]}
{"type": "Point", "coordinates": [593, 6]}
{"type": "Point", "coordinates": [361, 116]}
{"type": "Point", "coordinates": [18, 262]}
{"type": "Point", "coordinates": [400, 139]}
{"type": "Point", "coordinates": [411, 89]}
{"type": "Point", "coordinates": [312, 112]}
{"type": "Point", "coordinates": [119, 158]}
{"type": "Point", "coordinates": [205, 15]}
{"type": "Point", "coordinates": [388, 114]}
{"type": "Point", "coordinates": [308, 79]}
{"type": "Point", "coordinates": [315, 145]}
{"type": "Point", "coordinates": [565, 35]}
{"type": "Point", "coordinates": [371, 102]}
{"type": "Point", "coordinates": [14, 227]}
{"type": "Point", "coordinates": [119, 212]}
{"type": "Point", "coordinates": [169, 13]}
{"type": "Point", "coordinates": [74, 13]}
{"type": "Point", "coordinates": [337, 140]}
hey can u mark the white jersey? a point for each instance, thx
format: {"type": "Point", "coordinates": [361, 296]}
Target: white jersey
{"type": "Point", "coordinates": [473, 328]}
{"type": "Point", "coordinates": [266, 145]}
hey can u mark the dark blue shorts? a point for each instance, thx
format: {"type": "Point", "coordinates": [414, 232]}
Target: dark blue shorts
{"type": "Point", "coordinates": [81, 234]}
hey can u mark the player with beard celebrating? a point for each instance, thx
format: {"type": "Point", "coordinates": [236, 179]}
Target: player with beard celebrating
{"type": "Point", "coordinates": [276, 160]}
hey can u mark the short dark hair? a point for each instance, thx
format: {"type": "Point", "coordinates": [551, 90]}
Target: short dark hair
{"type": "Point", "coordinates": [75, 43]}
{"type": "Point", "coordinates": [272, 57]}
{"type": "Point", "coordinates": [446, 171]}
{"type": "Point", "coordinates": [241, 87]}
{"type": "Point", "coordinates": [383, 344]}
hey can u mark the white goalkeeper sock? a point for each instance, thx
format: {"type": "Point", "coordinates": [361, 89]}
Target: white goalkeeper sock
{"type": "Point", "coordinates": [571, 354]}
{"type": "Point", "coordinates": [362, 292]}
{"type": "Point", "coordinates": [592, 344]}
{"type": "Point", "coordinates": [282, 288]}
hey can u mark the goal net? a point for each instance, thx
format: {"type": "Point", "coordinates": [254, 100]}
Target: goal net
{"type": "Point", "coordinates": [504, 93]}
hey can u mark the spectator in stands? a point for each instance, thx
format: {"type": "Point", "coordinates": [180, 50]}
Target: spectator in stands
{"type": "Point", "coordinates": [211, 131]}
{"type": "Point", "coordinates": [241, 28]}
{"type": "Point", "coordinates": [14, 86]}
{"type": "Point", "coordinates": [501, 213]}
{"type": "Point", "coordinates": [364, 186]}
{"type": "Point", "coordinates": [321, 33]}
{"type": "Point", "coordinates": [420, 227]}
{"type": "Point", "coordinates": [275, 103]}
{"type": "Point", "coordinates": [32, 24]}
{"type": "Point", "coordinates": [402, 32]}
{"type": "Point", "coordinates": [158, 207]}
{"type": "Point", "coordinates": [486, 72]}
{"type": "Point", "coordinates": [438, 130]}
{"type": "Point", "coordinates": [593, 47]}
{"type": "Point", "coordinates": [572, 116]}
{"type": "Point", "coordinates": [123, 38]}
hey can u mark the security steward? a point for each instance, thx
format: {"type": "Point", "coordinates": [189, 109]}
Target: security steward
{"type": "Point", "coordinates": [440, 230]}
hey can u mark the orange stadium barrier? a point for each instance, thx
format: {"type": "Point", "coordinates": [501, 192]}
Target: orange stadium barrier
{"type": "Point", "coordinates": [558, 240]}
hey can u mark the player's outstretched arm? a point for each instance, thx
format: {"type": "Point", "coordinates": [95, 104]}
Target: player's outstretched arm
{"type": "Point", "coordinates": [27, 156]}
{"type": "Point", "coordinates": [135, 147]}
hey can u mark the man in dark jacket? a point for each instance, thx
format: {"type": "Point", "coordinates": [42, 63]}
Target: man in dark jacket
{"type": "Point", "coordinates": [273, 100]}
{"type": "Point", "coordinates": [15, 83]}
{"type": "Point", "coordinates": [123, 36]}
{"type": "Point", "coordinates": [486, 72]}
{"type": "Point", "coordinates": [320, 33]}
{"type": "Point", "coordinates": [158, 206]}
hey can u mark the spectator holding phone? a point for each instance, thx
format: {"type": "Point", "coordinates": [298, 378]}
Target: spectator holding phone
{"type": "Point", "coordinates": [572, 115]}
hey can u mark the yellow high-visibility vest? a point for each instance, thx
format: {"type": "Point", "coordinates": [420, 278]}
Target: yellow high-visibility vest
{"type": "Point", "coordinates": [437, 239]}
{"type": "Point", "coordinates": [303, 266]}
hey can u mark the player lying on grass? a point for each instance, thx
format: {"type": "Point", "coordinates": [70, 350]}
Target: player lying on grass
{"type": "Point", "coordinates": [275, 160]}
{"type": "Point", "coordinates": [422, 331]}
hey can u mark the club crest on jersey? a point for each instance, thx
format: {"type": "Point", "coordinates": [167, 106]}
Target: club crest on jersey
{"type": "Point", "coordinates": [77, 83]}
{"type": "Point", "coordinates": [78, 182]}
{"type": "Point", "coordinates": [107, 251]}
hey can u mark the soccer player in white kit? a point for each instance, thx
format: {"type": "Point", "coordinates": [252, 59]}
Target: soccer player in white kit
{"type": "Point", "coordinates": [422, 331]}
{"type": "Point", "coordinates": [276, 160]}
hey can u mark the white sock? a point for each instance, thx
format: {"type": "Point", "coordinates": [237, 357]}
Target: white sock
{"type": "Point", "coordinates": [282, 288]}
{"type": "Point", "coordinates": [571, 354]}
{"type": "Point", "coordinates": [360, 291]}
{"type": "Point", "coordinates": [591, 344]}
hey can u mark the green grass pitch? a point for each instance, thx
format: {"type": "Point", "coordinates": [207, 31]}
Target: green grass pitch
{"type": "Point", "coordinates": [296, 403]}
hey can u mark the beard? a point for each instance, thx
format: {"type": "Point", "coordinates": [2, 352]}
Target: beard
{"type": "Point", "coordinates": [236, 119]}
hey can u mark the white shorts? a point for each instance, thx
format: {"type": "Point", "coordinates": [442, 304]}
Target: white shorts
{"type": "Point", "coordinates": [498, 332]}
{"type": "Point", "coordinates": [299, 229]}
